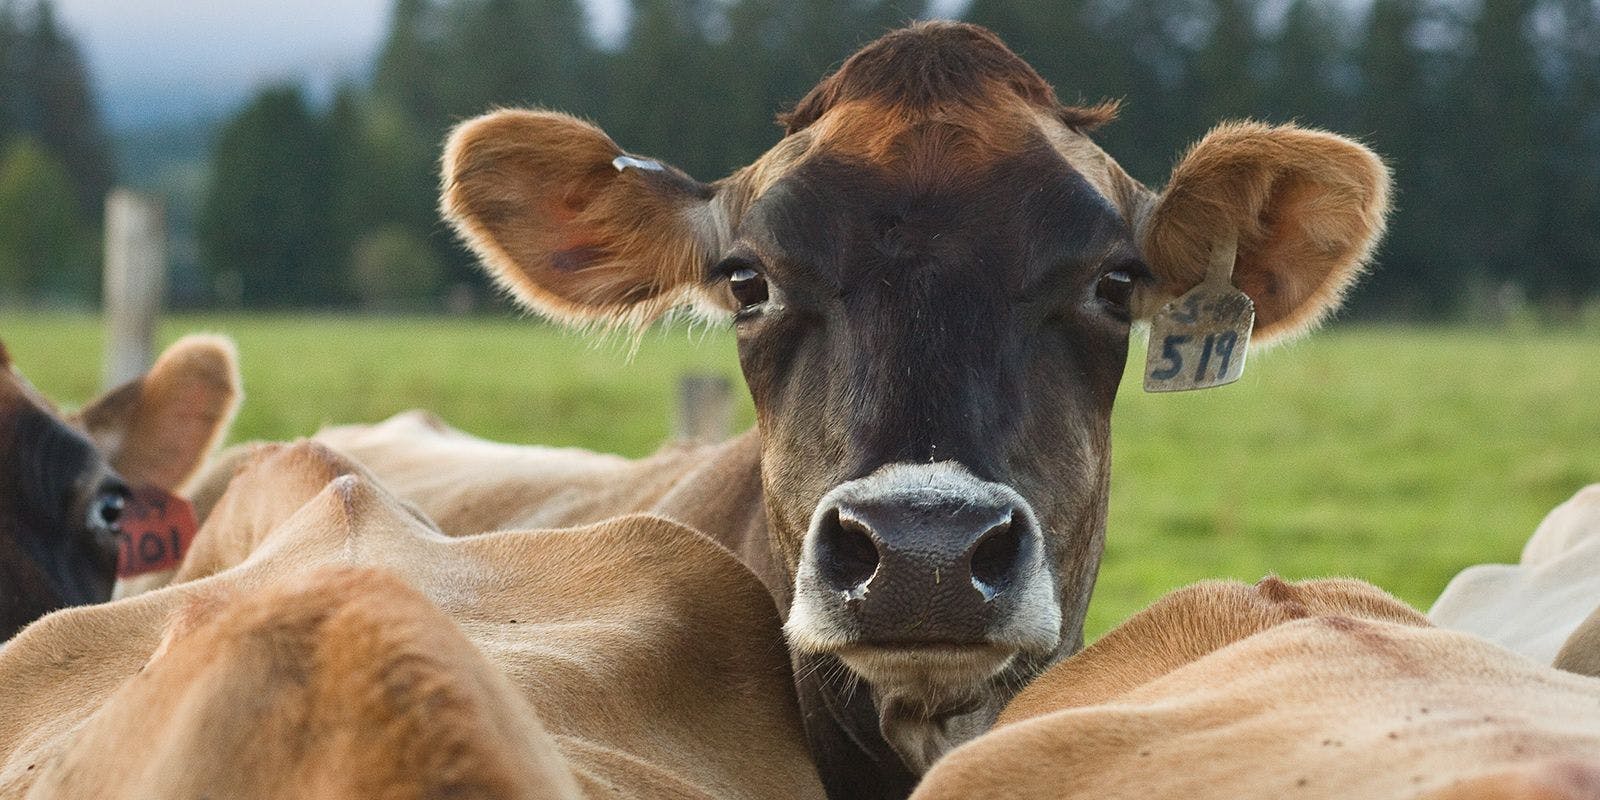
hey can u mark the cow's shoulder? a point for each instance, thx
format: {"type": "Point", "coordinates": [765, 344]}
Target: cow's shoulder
{"type": "Point", "coordinates": [648, 604]}
{"type": "Point", "coordinates": [1189, 624]}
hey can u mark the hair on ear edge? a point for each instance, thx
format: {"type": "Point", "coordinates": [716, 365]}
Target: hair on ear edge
{"type": "Point", "coordinates": [223, 355]}
{"type": "Point", "coordinates": [456, 210]}
{"type": "Point", "coordinates": [1328, 299]}
{"type": "Point", "coordinates": [467, 218]}
{"type": "Point", "coordinates": [1251, 159]}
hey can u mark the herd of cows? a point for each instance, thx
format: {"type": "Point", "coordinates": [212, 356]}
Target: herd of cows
{"type": "Point", "coordinates": [878, 592]}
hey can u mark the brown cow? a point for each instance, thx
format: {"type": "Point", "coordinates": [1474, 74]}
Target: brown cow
{"type": "Point", "coordinates": [933, 277]}
{"type": "Point", "coordinates": [323, 640]}
{"type": "Point", "coordinates": [1319, 689]}
{"type": "Point", "coordinates": [66, 483]}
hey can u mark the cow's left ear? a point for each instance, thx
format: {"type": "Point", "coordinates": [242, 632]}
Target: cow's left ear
{"type": "Point", "coordinates": [159, 428]}
{"type": "Point", "coordinates": [1307, 208]}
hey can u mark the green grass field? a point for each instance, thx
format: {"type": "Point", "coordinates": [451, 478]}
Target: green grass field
{"type": "Point", "coordinates": [1398, 455]}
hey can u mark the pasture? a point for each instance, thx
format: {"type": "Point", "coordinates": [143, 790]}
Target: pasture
{"type": "Point", "coordinates": [1394, 454]}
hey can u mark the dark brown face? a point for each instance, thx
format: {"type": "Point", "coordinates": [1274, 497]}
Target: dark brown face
{"type": "Point", "coordinates": [59, 504]}
{"type": "Point", "coordinates": [933, 356]}
{"type": "Point", "coordinates": [65, 483]}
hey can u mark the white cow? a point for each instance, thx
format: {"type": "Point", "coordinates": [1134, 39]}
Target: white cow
{"type": "Point", "coordinates": [1534, 606]}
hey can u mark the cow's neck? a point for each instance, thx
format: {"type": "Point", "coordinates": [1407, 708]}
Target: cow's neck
{"type": "Point", "coordinates": [841, 723]}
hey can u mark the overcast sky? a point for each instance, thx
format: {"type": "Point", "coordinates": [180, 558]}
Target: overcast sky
{"type": "Point", "coordinates": [156, 60]}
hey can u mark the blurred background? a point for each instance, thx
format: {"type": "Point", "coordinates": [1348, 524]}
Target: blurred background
{"type": "Point", "coordinates": [293, 145]}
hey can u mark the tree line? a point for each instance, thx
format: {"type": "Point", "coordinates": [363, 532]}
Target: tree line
{"type": "Point", "coordinates": [1488, 111]}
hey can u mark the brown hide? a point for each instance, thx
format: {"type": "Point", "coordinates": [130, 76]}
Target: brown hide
{"type": "Point", "coordinates": [631, 658]}
{"type": "Point", "coordinates": [468, 485]}
{"type": "Point", "coordinates": [343, 682]}
{"type": "Point", "coordinates": [1320, 689]}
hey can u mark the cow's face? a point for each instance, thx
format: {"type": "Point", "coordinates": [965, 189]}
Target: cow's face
{"type": "Point", "coordinates": [933, 357]}
{"type": "Point", "coordinates": [932, 277]}
{"type": "Point", "coordinates": [65, 481]}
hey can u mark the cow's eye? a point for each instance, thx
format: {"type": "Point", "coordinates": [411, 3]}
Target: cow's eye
{"type": "Point", "coordinates": [1116, 289]}
{"type": "Point", "coordinates": [749, 287]}
{"type": "Point", "coordinates": [106, 507]}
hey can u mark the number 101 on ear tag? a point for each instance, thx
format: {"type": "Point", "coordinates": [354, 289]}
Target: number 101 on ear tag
{"type": "Point", "coordinates": [1200, 339]}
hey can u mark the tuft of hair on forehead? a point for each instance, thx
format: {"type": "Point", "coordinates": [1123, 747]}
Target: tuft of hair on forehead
{"type": "Point", "coordinates": [930, 65]}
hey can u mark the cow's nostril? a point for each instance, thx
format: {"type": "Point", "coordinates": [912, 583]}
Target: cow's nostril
{"type": "Point", "coordinates": [847, 555]}
{"type": "Point", "coordinates": [994, 560]}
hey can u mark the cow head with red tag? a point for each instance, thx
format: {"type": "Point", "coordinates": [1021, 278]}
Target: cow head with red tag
{"type": "Point", "coordinates": [79, 494]}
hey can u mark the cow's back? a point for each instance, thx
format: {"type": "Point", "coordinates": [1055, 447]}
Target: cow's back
{"type": "Point", "coordinates": [342, 683]}
{"type": "Point", "coordinates": [1319, 704]}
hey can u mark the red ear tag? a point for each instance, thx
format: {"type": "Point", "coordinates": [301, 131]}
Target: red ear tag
{"type": "Point", "coordinates": [156, 530]}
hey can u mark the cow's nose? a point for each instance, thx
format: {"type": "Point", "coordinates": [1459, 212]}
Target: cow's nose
{"type": "Point", "coordinates": [916, 567]}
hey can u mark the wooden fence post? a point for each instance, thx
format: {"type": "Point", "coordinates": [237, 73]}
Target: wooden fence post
{"type": "Point", "coordinates": [705, 408]}
{"type": "Point", "coordinates": [135, 281]}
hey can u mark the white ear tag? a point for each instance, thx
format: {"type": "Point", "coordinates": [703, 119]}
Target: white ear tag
{"type": "Point", "coordinates": [1200, 340]}
{"type": "Point", "coordinates": [647, 164]}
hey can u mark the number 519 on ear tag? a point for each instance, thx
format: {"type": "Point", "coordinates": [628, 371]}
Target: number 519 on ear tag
{"type": "Point", "coordinates": [1200, 339]}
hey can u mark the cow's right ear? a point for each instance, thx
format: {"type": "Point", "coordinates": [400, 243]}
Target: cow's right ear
{"type": "Point", "coordinates": [574, 227]}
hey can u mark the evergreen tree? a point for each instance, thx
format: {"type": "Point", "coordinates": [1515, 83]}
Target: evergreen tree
{"type": "Point", "coordinates": [45, 95]}
{"type": "Point", "coordinates": [1060, 40]}
{"type": "Point", "coordinates": [1304, 83]}
{"type": "Point", "coordinates": [774, 51]}
{"type": "Point", "coordinates": [406, 74]}
{"type": "Point", "coordinates": [1569, 159]}
{"type": "Point", "coordinates": [1414, 276]}
{"type": "Point", "coordinates": [662, 89]}
{"type": "Point", "coordinates": [1156, 43]}
{"type": "Point", "coordinates": [267, 216]}
{"type": "Point", "coordinates": [1225, 78]}
{"type": "Point", "coordinates": [394, 269]}
{"type": "Point", "coordinates": [1494, 136]}
{"type": "Point", "coordinates": [1500, 85]}
{"type": "Point", "coordinates": [67, 121]}
{"type": "Point", "coordinates": [43, 245]}
{"type": "Point", "coordinates": [516, 53]}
